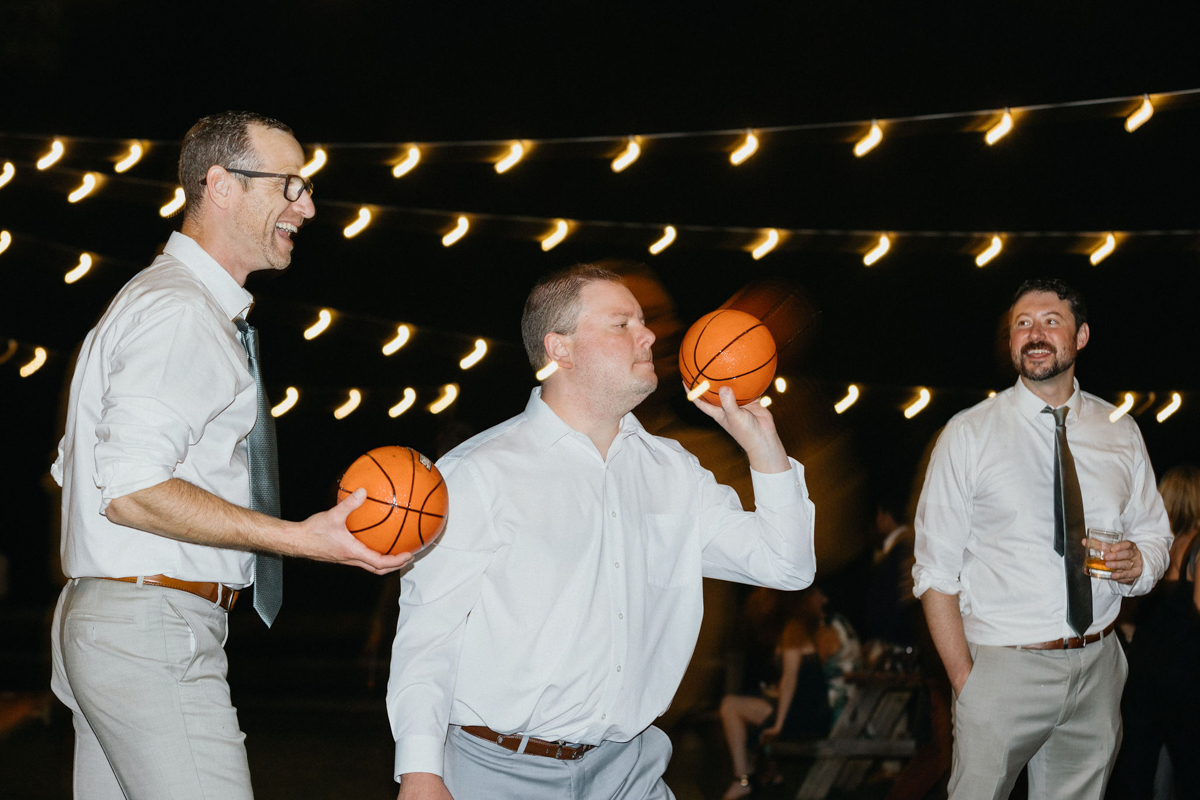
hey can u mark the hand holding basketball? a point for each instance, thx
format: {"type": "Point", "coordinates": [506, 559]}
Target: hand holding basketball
{"type": "Point", "coordinates": [752, 427]}
{"type": "Point", "coordinates": [324, 537]}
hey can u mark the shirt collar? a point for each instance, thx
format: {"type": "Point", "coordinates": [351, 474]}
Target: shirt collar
{"type": "Point", "coordinates": [892, 538]}
{"type": "Point", "coordinates": [549, 427]}
{"type": "Point", "coordinates": [1031, 405]}
{"type": "Point", "coordinates": [234, 300]}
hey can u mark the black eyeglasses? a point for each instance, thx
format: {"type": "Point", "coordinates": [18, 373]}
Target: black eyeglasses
{"type": "Point", "coordinates": [293, 185]}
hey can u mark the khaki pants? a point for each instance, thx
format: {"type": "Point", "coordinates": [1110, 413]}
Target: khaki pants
{"type": "Point", "coordinates": [1056, 710]}
{"type": "Point", "coordinates": [142, 669]}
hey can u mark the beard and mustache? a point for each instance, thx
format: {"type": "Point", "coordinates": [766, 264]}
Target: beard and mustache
{"type": "Point", "coordinates": [1058, 363]}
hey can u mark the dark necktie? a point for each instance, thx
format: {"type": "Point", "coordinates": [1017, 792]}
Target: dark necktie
{"type": "Point", "coordinates": [263, 457]}
{"type": "Point", "coordinates": [1069, 527]}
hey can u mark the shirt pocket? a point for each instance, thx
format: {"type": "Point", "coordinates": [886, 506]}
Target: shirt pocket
{"type": "Point", "coordinates": [672, 549]}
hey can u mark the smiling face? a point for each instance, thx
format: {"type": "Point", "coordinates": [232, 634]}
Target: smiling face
{"type": "Point", "coordinates": [1042, 338]}
{"type": "Point", "coordinates": [610, 348]}
{"type": "Point", "coordinates": [264, 220]}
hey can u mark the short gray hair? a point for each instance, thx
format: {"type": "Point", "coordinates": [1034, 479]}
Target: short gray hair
{"type": "Point", "coordinates": [553, 306]}
{"type": "Point", "coordinates": [221, 139]}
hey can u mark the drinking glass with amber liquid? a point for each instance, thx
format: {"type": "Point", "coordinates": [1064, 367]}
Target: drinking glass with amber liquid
{"type": "Point", "coordinates": [1099, 542]}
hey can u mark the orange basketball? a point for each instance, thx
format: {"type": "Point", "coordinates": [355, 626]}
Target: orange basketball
{"type": "Point", "coordinates": [728, 348]}
{"type": "Point", "coordinates": [406, 503]}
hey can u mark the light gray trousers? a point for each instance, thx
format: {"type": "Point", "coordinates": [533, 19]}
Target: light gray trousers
{"type": "Point", "coordinates": [143, 670]}
{"type": "Point", "coordinates": [480, 770]}
{"type": "Point", "coordinates": [1059, 711]}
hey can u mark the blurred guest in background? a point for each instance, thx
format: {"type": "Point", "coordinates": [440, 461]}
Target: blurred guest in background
{"type": "Point", "coordinates": [1161, 705]}
{"type": "Point", "coordinates": [795, 659]}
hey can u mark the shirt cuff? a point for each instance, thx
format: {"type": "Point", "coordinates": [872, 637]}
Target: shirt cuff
{"type": "Point", "coordinates": [420, 754]}
{"type": "Point", "coordinates": [779, 488]}
{"type": "Point", "coordinates": [925, 579]}
{"type": "Point", "coordinates": [133, 479]}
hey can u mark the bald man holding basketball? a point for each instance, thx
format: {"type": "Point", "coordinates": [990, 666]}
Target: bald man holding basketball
{"type": "Point", "coordinates": [552, 622]}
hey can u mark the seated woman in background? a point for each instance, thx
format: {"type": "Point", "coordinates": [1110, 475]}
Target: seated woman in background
{"type": "Point", "coordinates": [792, 654]}
{"type": "Point", "coordinates": [1161, 703]}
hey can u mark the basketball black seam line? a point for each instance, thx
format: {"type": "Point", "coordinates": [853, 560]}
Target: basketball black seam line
{"type": "Point", "coordinates": [763, 365]}
{"type": "Point", "coordinates": [727, 344]}
{"type": "Point", "coordinates": [696, 347]}
{"type": "Point", "coordinates": [384, 472]}
{"type": "Point", "coordinates": [401, 505]}
{"type": "Point", "coordinates": [412, 479]}
{"type": "Point", "coordinates": [420, 534]}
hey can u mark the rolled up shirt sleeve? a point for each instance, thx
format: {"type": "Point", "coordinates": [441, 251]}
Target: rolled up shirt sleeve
{"type": "Point", "coordinates": [943, 518]}
{"type": "Point", "coordinates": [168, 380]}
{"type": "Point", "coordinates": [772, 546]}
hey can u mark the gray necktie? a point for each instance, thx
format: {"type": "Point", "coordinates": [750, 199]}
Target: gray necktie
{"type": "Point", "coordinates": [1069, 527]}
{"type": "Point", "coordinates": [263, 456]}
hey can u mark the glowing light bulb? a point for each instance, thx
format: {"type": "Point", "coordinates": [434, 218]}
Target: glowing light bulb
{"type": "Point", "coordinates": [135, 155]}
{"type": "Point", "coordinates": [1137, 118]}
{"type": "Point", "coordinates": [745, 151]}
{"type": "Point", "coordinates": [628, 156]}
{"type": "Point", "coordinates": [546, 371]}
{"type": "Point", "coordinates": [1000, 129]}
{"type": "Point", "coordinates": [9, 351]}
{"type": "Point", "coordinates": [56, 151]}
{"type": "Point", "coordinates": [917, 405]}
{"type": "Point", "coordinates": [313, 166]}
{"type": "Point", "coordinates": [764, 401]}
{"type": "Point", "coordinates": [472, 358]}
{"type": "Point", "coordinates": [288, 402]}
{"type": "Point", "coordinates": [7, 174]}
{"type": "Point", "coordinates": [5, 240]}
{"type": "Point", "coordinates": [449, 393]}
{"type": "Point", "coordinates": [665, 242]}
{"type": "Point", "coordinates": [878, 251]}
{"type": "Point", "coordinates": [1170, 408]}
{"type": "Point", "coordinates": [515, 154]}
{"type": "Point", "coordinates": [402, 334]}
{"type": "Point", "coordinates": [1122, 409]}
{"type": "Point", "coordinates": [992, 394]}
{"type": "Point", "coordinates": [869, 142]}
{"type": "Point", "coordinates": [1103, 251]}
{"type": "Point", "coordinates": [405, 403]}
{"type": "Point", "coordinates": [318, 327]}
{"type": "Point", "coordinates": [347, 408]}
{"type": "Point", "coordinates": [356, 227]}
{"type": "Point", "coordinates": [85, 188]}
{"type": "Point", "coordinates": [697, 390]}
{"type": "Point", "coordinates": [410, 161]}
{"type": "Point", "coordinates": [847, 401]}
{"type": "Point", "coordinates": [766, 245]}
{"type": "Point", "coordinates": [39, 358]}
{"type": "Point", "coordinates": [556, 236]}
{"type": "Point", "coordinates": [81, 269]}
{"type": "Point", "coordinates": [175, 204]}
{"type": "Point", "coordinates": [991, 252]}
{"type": "Point", "coordinates": [460, 230]}
{"type": "Point", "coordinates": [780, 385]}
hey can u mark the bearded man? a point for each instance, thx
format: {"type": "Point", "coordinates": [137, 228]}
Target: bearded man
{"type": "Point", "coordinates": [1001, 535]}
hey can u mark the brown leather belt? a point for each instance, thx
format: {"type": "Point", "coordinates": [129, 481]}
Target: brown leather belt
{"type": "Point", "coordinates": [215, 593]}
{"type": "Point", "coordinates": [534, 747]}
{"type": "Point", "coordinates": [1073, 643]}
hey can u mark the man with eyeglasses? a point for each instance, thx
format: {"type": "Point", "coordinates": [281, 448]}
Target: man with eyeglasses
{"type": "Point", "coordinates": [166, 424]}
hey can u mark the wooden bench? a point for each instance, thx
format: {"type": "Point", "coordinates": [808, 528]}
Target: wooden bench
{"type": "Point", "coordinates": [870, 728]}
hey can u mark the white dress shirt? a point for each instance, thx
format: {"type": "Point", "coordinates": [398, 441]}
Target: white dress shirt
{"type": "Point", "coordinates": [985, 521]}
{"type": "Point", "coordinates": [564, 598]}
{"type": "Point", "coordinates": [161, 390]}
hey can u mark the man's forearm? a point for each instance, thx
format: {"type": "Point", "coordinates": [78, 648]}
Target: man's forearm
{"type": "Point", "coordinates": [946, 629]}
{"type": "Point", "coordinates": [181, 510]}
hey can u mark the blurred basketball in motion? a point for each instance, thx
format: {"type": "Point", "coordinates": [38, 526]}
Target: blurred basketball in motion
{"type": "Point", "coordinates": [406, 503]}
{"type": "Point", "coordinates": [728, 348]}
